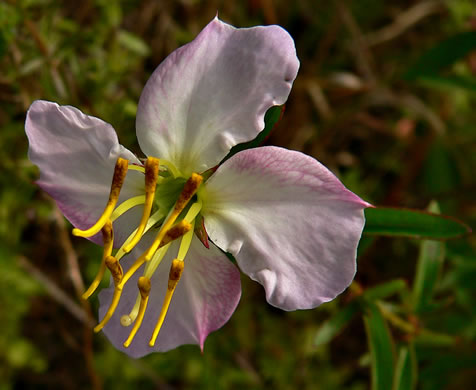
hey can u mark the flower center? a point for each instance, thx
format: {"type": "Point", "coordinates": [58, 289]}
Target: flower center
{"type": "Point", "coordinates": [167, 203]}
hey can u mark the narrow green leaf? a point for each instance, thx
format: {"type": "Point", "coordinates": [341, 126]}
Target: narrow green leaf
{"type": "Point", "coordinates": [381, 348]}
{"type": "Point", "coordinates": [405, 369]}
{"type": "Point", "coordinates": [272, 116]}
{"type": "Point", "coordinates": [412, 223]}
{"type": "Point", "coordinates": [449, 82]}
{"type": "Point", "coordinates": [336, 324]}
{"type": "Point", "coordinates": [429, 263]}
{"type": "Point", "coordinates": [435, 339]}
{"type": "Point", "coordinates": [385, 290]}
{"type": "Point", "coordinates": [443, 54]}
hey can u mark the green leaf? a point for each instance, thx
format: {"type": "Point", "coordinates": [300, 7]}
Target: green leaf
{"type": "Point", "coordinates": [272, 116]}
{"type": "Point", "coordinates": [449, 82]}
{"type": "Point", "coordinates": [430, 261]}
{"type": "Point", "coordinates": [381, 348]}
{"type": "Point", "coordinates": [405, 370]}
{"type": "Point", "coordinates": [333, 326]}
{"type": "Point", "coordinates": [412, 223]}
{"type": "Point", "coordinates": [443, 54]}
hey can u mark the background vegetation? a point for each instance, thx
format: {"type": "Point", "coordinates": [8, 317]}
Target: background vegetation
{"type": "Point", "coordinates": [395, 123]}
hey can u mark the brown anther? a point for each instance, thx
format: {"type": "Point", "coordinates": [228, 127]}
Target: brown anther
{"type": "Point", "coordinates": [190, 188]}
{"type": "Point", "coordinates": [175, 273]}
{"type": "Point", "coordinates": [107, 233]}
{"type": "Point", "coordinates": [116, 270]}
{"type": "Point", "coordinates": [120, 171]}
{"type": "Point", "coordinates": [151, 173]}
{"type": "Point", "coordinates": [144, 286]}
{"type": "Point", "coordinates": [175, 232]}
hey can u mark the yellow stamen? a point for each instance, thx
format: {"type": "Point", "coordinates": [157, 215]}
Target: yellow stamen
{"type": "Point", "coordinates": [189, 217]}
{"type": "Point", "coordinates": [174, 276]}
{"type": "Point", "coordinates": [112, 308]}
{"type": "Point", "coordinates": [127, 205]}
{"type": "Point", "coordinates": [189, 190]}
{"type": "Point", "coordinates": [151, 175]}
{"type": "Point", "coordinates": [144, 289]}
{"type": "Point", "coordinates": [108, 240]}
{"type": "Point", "coordinates": [156, 252]}
{"type": "Point", "coordinates": [120, 171]}
{"type": "Point", "coordinates": [117, 275]}
{"type": "Point", "coordinates": [173, 233]}
{"type": "Point", "coordinates": [156, 217]}
{"type": "Point", "coordinates": [115, 268]}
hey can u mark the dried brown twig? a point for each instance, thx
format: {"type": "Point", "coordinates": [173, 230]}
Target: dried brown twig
{"type": "Point", "coordinates": [55, 292]}
{"type": "Point", "coordinates": [405, 20]}
{"type": "Point", "coordinates": [78, 284]}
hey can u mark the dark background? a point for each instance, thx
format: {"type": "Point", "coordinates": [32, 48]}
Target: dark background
{"type": "Point", "coordinates": [396, 129]}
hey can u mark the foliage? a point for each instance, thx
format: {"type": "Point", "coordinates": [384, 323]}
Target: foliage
{"type": "Point", "coordinates": [389, 109]}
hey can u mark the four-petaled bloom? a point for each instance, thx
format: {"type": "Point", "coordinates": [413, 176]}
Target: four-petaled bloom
{"type": "Point", "coordinates": [288, 221]}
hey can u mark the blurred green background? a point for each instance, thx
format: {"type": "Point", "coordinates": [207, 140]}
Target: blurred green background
{"type": "Point", "coordinates": [385, 98]}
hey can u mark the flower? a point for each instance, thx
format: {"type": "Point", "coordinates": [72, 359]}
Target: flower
{"type": "Point", "coordinates": [289, 222]}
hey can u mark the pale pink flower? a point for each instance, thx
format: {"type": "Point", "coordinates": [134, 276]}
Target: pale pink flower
{"type": "Point", "coordinates": [288, 221]}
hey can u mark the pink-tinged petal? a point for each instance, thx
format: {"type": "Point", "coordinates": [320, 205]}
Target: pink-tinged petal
{"type": "Point", "coordinates": [205, 298]}
{"type": "Point", "coordinates": [76, 155]}
{"type": "Point", "coordinates": [212, 93]}
{"type": "Point", "coordinates": [290, 223]}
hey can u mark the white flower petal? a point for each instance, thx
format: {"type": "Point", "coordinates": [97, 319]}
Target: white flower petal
{"type": "Point", "coordinates": [213, 93]}
{"type": "Point", "coordinates": [290, 223]}
{"type": "Point", "coordinates": [76, 155]}
{"type": "Point", "coordinates": [205, 298]}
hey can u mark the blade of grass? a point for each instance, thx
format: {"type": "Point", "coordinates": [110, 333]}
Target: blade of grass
{"type": "Point", "coordinates": [412, 223]}
{"type": "Point", "coordinates": [381, 348]}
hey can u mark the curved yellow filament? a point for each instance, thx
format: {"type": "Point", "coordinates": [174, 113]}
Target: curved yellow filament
{"type": "Point", "coordinates": [108, 240]}
{"type": "Point", "coordinates": [112, 308]}
{"type": "Point", "coordinates": [173, 233]}
{"type": "Point", "coordinates": [144, 289]}
{"type": "Point", "coordinates": [156, 217]}
{"type": "Point", "coordinates": [170, 167]}
{"type": "Point", "coordinates": [127, 205]}
{"type": "Point", "coordinates": [174, 276]}
{"type": "Point", "coordinates": [151, 175]}
{"type": "Point", "coordinates": [120, 172]}
{"type": "Point", "coordinates": [152, 265]}
{"type": "Point", "coordinates": [117, 275]}
{"type": "Point", "coordinates": [139, 168]}
{"type": "Point", "coordinates": [185, 244]}
{"type": "Point", "coordinates": [190, 188]}
{"type": "Point", "coordinates": [193, 211]}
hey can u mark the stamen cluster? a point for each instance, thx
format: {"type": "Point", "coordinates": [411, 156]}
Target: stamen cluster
{"type": "Point", "coordinates": [169, 231]}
